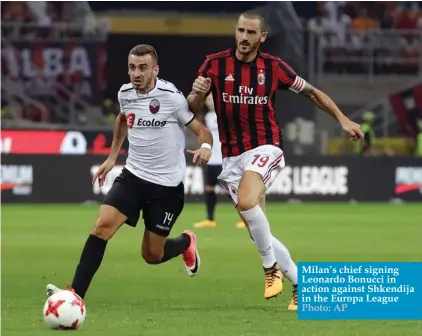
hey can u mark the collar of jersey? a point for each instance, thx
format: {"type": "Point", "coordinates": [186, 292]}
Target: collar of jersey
{"type": "Point", "coordinates": [150, 92]}
{"type": "Point", "coordinates": [242, 62]}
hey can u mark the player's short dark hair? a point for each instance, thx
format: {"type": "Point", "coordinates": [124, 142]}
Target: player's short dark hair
{"type": "Point", "coordinates": [254, 14]}
{"type": "Point", "coordinates": [144, 49]}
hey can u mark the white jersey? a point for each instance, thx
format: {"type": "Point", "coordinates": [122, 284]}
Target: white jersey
{"type": "Point", "coordinates": [156, 137]}
{"type": "Point", "coordinates": [211, 123]}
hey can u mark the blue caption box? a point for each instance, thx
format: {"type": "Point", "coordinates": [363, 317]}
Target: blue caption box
{"type": "Point", "coordinates": [360, 291]}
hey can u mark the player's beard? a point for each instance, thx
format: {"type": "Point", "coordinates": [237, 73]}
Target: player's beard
{"type": "Point", "coordinates": [138, 84]}
{"type": "Point", "coordinates": [144, 84]}
{"type": "Point", "coordinates": [247, 49]}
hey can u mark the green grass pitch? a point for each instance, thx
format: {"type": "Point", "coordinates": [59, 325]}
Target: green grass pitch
{"type": "Point", "coordinates": [42, 243]}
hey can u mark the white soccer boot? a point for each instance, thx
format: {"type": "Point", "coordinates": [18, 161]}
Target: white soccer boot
{"type": "Point", "coordinates": [51, 290]}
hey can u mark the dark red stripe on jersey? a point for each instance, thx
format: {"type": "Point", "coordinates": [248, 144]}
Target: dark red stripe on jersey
{"type": "Point", "coordinates": [261, 115]}
{"type": "Point", "coordinates": [229, 90]}
{"type": "Point", "coordinates": [267, 136]}
{"type": "Point", "coordinates": [205, 67]}
{"type": "Point", "coordinates": [251, 136]}
{"type": "Point", "coordinates": [276, 132]}
{"type": "Point", "coordinates": [271, 57]}
{"type": "Point", "coordinates": [220, 54]}
{"type": "Point", "coordinates": [240, 123]}
{"type": "Point", "coordinates": [220, 85]}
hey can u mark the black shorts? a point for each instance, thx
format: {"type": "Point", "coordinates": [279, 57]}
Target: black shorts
{"type": "Point", "coordinates": [160, 205]}
{"type": "Point", "coordinates": [211, 174]}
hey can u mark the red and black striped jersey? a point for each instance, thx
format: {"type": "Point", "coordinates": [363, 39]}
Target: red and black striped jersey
{"type": "Point", "coordinates": [244, 96]}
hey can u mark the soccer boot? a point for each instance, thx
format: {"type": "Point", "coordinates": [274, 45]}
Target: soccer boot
{"type": "Point", "coordinates": [273, 281]}
{"type": "Point", "coordinates": [205, 224]}
{"type": "Point", "coordinates": [52, 289]}
{"type": "Point", "coordinates": [293, 302]}
{"type": "Point", "coordinates": [191, 256]}
{"type": "Point", "coordinates": [240, 225]}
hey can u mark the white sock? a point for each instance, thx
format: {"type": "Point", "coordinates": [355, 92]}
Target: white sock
{"type": "Point", "coordinates": [287, 265]}
{"type": "Point", "coordinates": [261, 234]}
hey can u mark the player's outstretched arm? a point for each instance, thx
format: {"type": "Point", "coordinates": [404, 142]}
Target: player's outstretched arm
{"type": "Point", "coordinates": [119, 135]}
{"type": "Point", "coordinates": [325, 103]}
{"type": "Point", "coordinates": [203, 154]}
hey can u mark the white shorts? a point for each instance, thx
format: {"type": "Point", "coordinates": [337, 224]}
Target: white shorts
{"type": "Point", "coordinates": [266, 160]}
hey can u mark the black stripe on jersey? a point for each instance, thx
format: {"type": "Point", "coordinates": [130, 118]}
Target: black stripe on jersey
{"type": "Point", "coordinates": [166, 90]}
{"type": "Point", "coordinates": [132, 88]}
{"type": "Point", "coordinates": [253, 83]}
{"type": "Point", "coordinates": [236, 107]}
{"type": "Point", "coordinates": [268, 84]}
{"type": "Point", "coordinates": [193, 118]}
{"type": "Point", "coordinates": [222, 88]}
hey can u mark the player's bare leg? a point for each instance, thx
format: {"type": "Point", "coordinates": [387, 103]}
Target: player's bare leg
{"type": "Point", "coordinates": [108, 222]}
{"type": "Point", "coordinates": [211, 201]}
{"type": "Point", "coordinates": [157, 249]}
{"type": "Point", "coordinates": [251, 190]}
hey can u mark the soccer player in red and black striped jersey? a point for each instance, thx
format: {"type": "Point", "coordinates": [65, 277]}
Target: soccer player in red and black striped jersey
{"type": "Point", "coordinates": [243, 82]}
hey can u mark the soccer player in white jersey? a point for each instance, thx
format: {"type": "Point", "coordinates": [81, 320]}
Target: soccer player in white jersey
{"type": "Point", "coordinates": [153, 114]}
{"type": "Point", "coordinates": [212, 169]}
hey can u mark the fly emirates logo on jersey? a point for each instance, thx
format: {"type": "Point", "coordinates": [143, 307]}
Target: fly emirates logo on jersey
{"type": "Point", "coordinates": [245, 96]}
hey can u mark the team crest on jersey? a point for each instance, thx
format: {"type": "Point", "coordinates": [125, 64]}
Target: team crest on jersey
{"type": "Point", "coordinates": [130, 120]}
{"type": "Point", "coordinates": [154, 106]}
{"type": "Point", "coordinates": [261, 79]}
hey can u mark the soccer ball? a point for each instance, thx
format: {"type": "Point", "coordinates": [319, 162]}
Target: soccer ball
{"type": "Point", "coordinates": [64, 310]}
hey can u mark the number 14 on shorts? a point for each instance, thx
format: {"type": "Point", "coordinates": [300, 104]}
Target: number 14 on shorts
{"type": "Point", "coordinates": [168, 218]}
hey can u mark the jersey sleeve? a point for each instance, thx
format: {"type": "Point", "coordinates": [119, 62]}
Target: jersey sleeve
{"type": "Point", "coordinates": [205, 68]}
{"type": "Point", "coordinates": [288, 79]}
{"type": "Point", "coordinates": [183, 114]}
{"type": "Point", "coordinates": [119, 98]}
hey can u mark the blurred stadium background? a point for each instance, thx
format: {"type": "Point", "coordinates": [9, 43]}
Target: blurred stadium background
{"type": "Point", "coordinates": [62, 65]}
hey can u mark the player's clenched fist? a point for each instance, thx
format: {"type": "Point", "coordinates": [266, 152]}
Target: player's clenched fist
{"type": "Point", "coordinates": [201, 85]}
{"type": "Point", "coordinates": [200, 156]}
{"type": "Point", "coordinates": [103, 171]}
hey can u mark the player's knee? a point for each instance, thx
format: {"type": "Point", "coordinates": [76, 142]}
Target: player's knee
{"type": "Point", "coordinates": [152, 254]}
{"type": "Point", "coordinates": [152, 257]}
{"type": "Point", "coordinates": [246, 202]}
{"type": "Point", "coordinates": [104, 228]}
{"type": "Point", "coordinates": [209, 188]}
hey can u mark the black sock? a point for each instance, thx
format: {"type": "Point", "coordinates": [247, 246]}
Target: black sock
{"type": "Point", "coordinates": [90, 261]}
{"type": "Point", "coordinates": [211, 200]}
{"type": "Point", "coordinates": [175, 246]}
